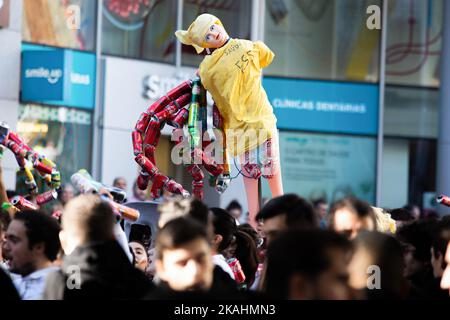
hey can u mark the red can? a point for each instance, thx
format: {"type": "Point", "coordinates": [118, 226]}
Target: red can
{"type": "Point", "coordinates": [23, 204]}
{"type": "Point", "coordinates": [444, 200]}
{"type": "Point", "coordinates": [143, 180]}
{"type": "Point", "coordinates": [146, 164]}
{"type": "Point", "coordinates": [158, 185]}
{"type": "Point", "coordinates": [137, 142]}
{"type": "Point", "coordinates": [168, 111]}
{"type": "Point", "coordinates": [197, 189]}
{"type": "Point", "coordinates": [142, 123]}
{"type": "Point", "coordinates": [176, 188]}
{"type": "Point", "coordinates": [153, 131]}
{"type": "Point", "coordinates": [180, 118]}
{"type": "Point", "coordinates": [149, 152]}
{"type": "Point", "coordinates": [46, 197]}
{"type": "Point", "coordinates": [42, 168]}
{"type": "Point", "coordinates": [196, 172]}
{"type": "Point", "coordinates": [235, 265]}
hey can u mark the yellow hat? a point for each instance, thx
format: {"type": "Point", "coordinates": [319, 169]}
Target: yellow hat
{"type": "Point", "coordinates": [195, 34]}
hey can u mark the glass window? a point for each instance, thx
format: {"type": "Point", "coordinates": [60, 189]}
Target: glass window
{"type": "Point", "coordinates": [322, 39]}
{"type": "Point", "coordinates": [409, 173]}
{"type": "Point", "coordinates": [141, 29]}
{"type": "Point", "coordinates": [63, 135]}
{"type": "Point", "coordinates": [327, 166]}
{"type": "Point", "coordinates": [234, 14]}
{"type": "Point", "coordinates": [60, 23]}
{"type": "Point", "coordinates": [414, 41]}
{"type": "Point", "coordinates": [411, 112]}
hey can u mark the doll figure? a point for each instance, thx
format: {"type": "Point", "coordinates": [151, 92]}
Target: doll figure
{"type": "Point", "coordinates": [231, 72]}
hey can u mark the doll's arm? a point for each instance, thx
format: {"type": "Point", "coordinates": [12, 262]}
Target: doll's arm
{"type": "Point", "coordinates": [265, 54]}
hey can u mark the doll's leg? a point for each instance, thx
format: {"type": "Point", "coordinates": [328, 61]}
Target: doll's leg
{"type": "Point", "coordinates": [251, 190]}
{"type": "Point", "coordinates": [276, 184]}
{"type": "Point", "coordinates": [272, 154]}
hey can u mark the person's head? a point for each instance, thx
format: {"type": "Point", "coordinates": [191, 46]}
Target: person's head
{"type": "Point", "coordinates": [257, 239]}
{"type": "Point", "coordinates": [176, 207]}
{"type": "Point", "coordinates": [67, 193]}
{"type": "Point", "coordinates": [32, 242]}
{"type": "Point", "coordinates": [224, 229]}
{"type": "Point", "coordinates": [378, 252]}
{"type": "Point", "coordinates": [413, 210]}
{"type": "Point", "coordinates": [86, 219]}
{"type": "Point", "coordinates": [321, 208]}
{"type": "Point", "coordinates": [184, 259]}
{"type": "Point", "coordinates": [416, 237]}
{"type": "Point", "coordinates": [120, 182]}
{"type": "Point", "coordinates": [245, 250]}
{"type": "Point", "coordinates": [139, 194]}
{"type": "Point", "coordinates": [439, 246]}
{"type": "Point", "coordinates": [401, 216]}
{"type": "Point", "coordinates": [349, 216]}
{"type": "Point", "coordinates": [308, 265]}
{"type": "Point", "coordinates": [286, 212]}
{"type": "Point", "coordinates": [206, 31]}
{"type": "Point", "coordinates": [235, 209]}
{"type": "Point", "coordinates": [140, 255]}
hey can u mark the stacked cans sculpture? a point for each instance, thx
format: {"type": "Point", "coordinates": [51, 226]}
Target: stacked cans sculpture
{"type": "Point", "coordinates": [27, 158]}
{"type": "Point", "coordinates": [183, 105]}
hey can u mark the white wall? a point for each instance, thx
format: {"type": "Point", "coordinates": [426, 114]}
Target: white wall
{"type": "Point", "coordinates": [395, 171]}
{"type": "Point", "coordinates": [10, 48]}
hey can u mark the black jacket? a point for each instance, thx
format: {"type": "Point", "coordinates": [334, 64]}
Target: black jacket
{"type": "Point", "coordinates": [7, 289]}
{"type": "Point", "coordinates": [100, 271]}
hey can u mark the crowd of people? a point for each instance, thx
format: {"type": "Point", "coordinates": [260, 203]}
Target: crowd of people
{"type": "Point", "coordinates": [304, 250]}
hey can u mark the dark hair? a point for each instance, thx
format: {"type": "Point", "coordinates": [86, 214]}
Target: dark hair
{"type": "Point", "coordinates": [441, 238]}
{"type": "Point", "coordinates": [319, 202]}
{"type": "Point", "coordinates": [199, 211]}
{"type": "Point", "coordinates": [41, 228]}
{"type": "Point", "coordinates": [234, 205]}
{"type": "Point", "coordinates": [299, 212]}
{"type": "Point", "coordinates": [248, 229]}
{"type": "Point", "coordinates": [387, 254]}
{"type": "Point", "coordinates": [247, 255]}
{"type": "Point", "coordinates": [306, 253]}
{"type": "Point", "coordinates": [401, 214]}
{"type": "Point", "coordinates": [225, 225]}
{"type": "Point", "coordinates": [178, 232]}
{"type": "Point", "coordinates": [361, 208]}
{"type": "Point", "coordinates": [419, 235]}
{"type": "Point", "coordinates": [410, 207]}
{"type": "Point", "coordinates": [141, 233]}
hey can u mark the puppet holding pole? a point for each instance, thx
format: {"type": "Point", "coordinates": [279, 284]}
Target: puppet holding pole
{"type": "Point", "coordinates": [232, 74]}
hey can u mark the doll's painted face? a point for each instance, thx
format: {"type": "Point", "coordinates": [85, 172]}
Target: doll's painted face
{"type": "Point", "coordinates": [216, 36]}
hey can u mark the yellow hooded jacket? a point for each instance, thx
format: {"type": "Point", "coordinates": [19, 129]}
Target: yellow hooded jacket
{"type": "Point", "coordinates": [232, 74]}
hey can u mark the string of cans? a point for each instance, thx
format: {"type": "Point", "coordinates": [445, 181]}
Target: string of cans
{"type": "Point", "coordinates": [29, 159]}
